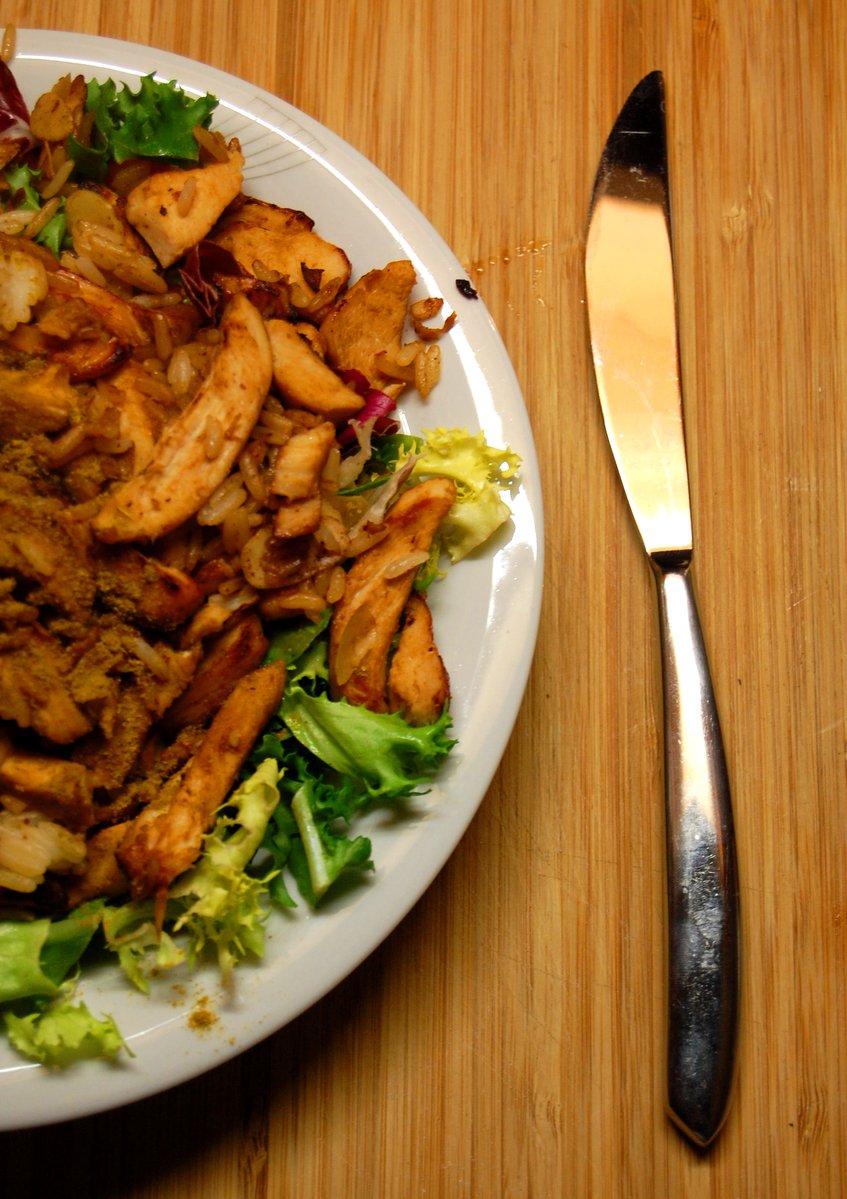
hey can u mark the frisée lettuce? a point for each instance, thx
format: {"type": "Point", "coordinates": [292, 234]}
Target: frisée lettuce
{"type": "Point", "coordinates": [156, 121]}
{"type": "Point", "coordinates": [37, 963]}
{"type": "Point", "coordinates": [480, 472]}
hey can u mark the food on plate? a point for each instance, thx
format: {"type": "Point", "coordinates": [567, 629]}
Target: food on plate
{"type": "Point", "coordinates": [216, 548]}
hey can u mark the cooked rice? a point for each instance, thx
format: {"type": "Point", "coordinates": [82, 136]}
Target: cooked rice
{"type": "Point", "coordinates": [60, 178]}
{"type": "Point", "coordinates": [186, 196]}
{"type": "Point", "coordinates": [8, 43]}
{"type": "Point", "coordinates": [80, 264]}
{"type": "Point", "coordinates": [44, 215]}
{"type": "Point", "coordinates": [214, 438]}
{"type": "Point", "coordinates": [225, 499]}
{"type": "Point", "coordinates": [30, 845]}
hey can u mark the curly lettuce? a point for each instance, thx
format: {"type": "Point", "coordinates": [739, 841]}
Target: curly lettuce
{"type": "Point", "coordinates": [21, 179]}
{"type": "Point", "coordinates": [64, 1033]}
{"type": "Point", "coordinates": [480, 472]}
{"type": "Point", "coordinates": [217, 904]}
{"type": "Point", "coordinates": [157, 121]}
{"type": "Point", "coordinates": [37, 962]}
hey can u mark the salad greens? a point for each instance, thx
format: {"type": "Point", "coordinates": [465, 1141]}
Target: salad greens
{"type": "Point", "coordinates": [36, 964]}
{"type": "Point", "coordinates": [20, 180]}
{"type": "Point", "coordinates": [157, 121]}
{"type": "Point", "coordinates": [320, 764]}
{"type": "Point", "coordinates": [480, 473]}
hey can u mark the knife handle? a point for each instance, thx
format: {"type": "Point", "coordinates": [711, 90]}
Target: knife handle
{"type": "Point", "coordinates": [703, 932]}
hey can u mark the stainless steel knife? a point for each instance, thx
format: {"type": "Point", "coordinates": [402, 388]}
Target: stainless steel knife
{"type": "Point", "coordinates": [631, 301]}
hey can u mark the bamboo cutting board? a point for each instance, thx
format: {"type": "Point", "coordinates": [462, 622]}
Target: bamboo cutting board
{"type": "Point", "coordinates": [507, 1040]}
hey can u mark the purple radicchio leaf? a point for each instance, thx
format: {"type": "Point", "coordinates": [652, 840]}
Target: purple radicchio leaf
{"type": "Point", "coordinates": [14, 114]}
{"type": "Point", "coordinates": [203, 263]}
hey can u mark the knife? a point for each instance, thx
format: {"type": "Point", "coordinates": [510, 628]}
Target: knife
{"type": "Point", "coordinates": [632, 321]}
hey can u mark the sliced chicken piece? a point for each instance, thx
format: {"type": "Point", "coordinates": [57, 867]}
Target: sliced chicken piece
{"type": "Point", "coordinates": [379, 582]}
{"type": "Point", "coordinates": [262, 214]}
{"type": "Point", "coordinates": [418, 683]}
{"type": "Point", "coordinates": [37, 398]}
{"type": "Point", "coordinates": [142, 589]}
{"type": "Point", "coordinates": [304, 380]}
{"type": "Point", "coordinates": [301, 460]}
{"type": "Point", "coordinates": [233, 654]}
{"type": "Point", "coordinates": [100, 874]}
{"type": "Point", "coordinates": [284, 243]}
{"type": "Point", "coordinates": [36, 548]}
{"type": "Point", "coordinates": [368, 320]}
{"type": "Point", "coordinates": [34, 691]}
{"type": "Point", "coordinates": [180, 477]}
{"type": "Point", "coordinates": [166, 838]}
{"type": "Point", "coordinates": [127, 322]}
{"type": "Point", "coordinates": [110, 753]}
{"type": "Point", "coordinates": [175, 209]}
{"type": "Point", "coordinates": [142, 411]}
{"type": "Point", "coordinates": [55, 787]}
{"type": "Point", "coordinates": [296, 518]}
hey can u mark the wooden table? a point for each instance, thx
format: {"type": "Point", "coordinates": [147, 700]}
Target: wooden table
{"type": "Point", "coordinates": [507, 1039]}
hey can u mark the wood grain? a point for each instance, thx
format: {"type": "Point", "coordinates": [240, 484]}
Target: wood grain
{"type": "Point", "coordinates": [507, 1039]}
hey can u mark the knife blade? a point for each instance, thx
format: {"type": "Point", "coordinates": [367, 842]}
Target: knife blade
{"type": "Point", "coordinates": [632, 318]}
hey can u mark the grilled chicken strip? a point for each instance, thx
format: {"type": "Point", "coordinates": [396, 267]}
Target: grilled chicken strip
{"type": "Point", "coordinates": [166, 838]}
{"type": "Point", "coordinates": [378, 585]}
{"type": "Point", "coordinates": [56, 788]}
{"type": "Point", "coordinates": [368, 319]}
{"type": "Point", "coordinates": [174, 209]}
{"type": "Point", "coordinates": [418, 683]}
{"type": "Point", "coordinates": [305, 380]}
{"type": "Point", "coordinates": [181, 476]}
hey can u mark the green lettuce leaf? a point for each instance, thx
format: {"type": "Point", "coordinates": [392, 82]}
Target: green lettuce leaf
{"type": "Point", "coordinates": [386, 756]}
{"type": "Point", "coordinates": [480, 472]}
{"type": "Point", "coordinates": [130, 932]}
{"type": "Point", "coordinates": [21, 180]}
{"type": "Point", "coordinates": [224, 903]}
{"type": "Point", "coordinates": [308, 830]}
{"type": "Point", "coordinates": [35, 956]}
{"type": "Point", "coordinates": [64, 1033]}
{"type": "Point", "coordinates": [157, 121]}
{"type": "Point", "coordinates": [327, 853]}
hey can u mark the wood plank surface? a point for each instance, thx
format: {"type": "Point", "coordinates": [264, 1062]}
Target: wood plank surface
{"type": "Point", "coordinates": [507, 1039]}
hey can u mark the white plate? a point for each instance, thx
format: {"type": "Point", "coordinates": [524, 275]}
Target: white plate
{"type": "Point", "coordinates": [486, 610]}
